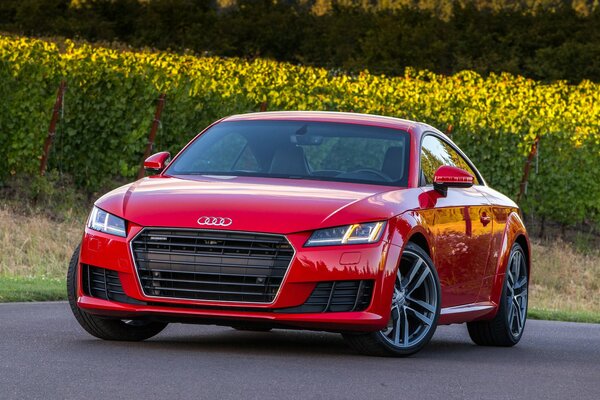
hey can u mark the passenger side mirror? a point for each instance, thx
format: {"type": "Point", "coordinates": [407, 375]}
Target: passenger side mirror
{"type": "Point", "coordinates": [157, 162]}
{"type": "Point", "coordinates": [447, 176]}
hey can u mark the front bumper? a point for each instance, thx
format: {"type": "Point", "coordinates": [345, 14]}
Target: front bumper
{"type": "Point", "coordinates": [374, 262]}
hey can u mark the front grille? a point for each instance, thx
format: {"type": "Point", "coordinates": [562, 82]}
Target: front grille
{"type": "Point", "coordinates": [104, 284]}
{"type": "Point", "coordinates": [336, 296]}
{"type": "Point", "coordinates": [211, 265]}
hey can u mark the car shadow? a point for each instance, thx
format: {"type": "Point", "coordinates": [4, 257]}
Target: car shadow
{"type": "Point", "coordinates": [284, 343]}
{"type": "Point", "coordinates": [267, 343]}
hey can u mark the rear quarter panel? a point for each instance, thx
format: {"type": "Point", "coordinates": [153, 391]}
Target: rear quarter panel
{"type": "Point", "coordinates": [508, 227]}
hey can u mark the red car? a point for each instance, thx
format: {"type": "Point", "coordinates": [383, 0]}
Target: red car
{"type": "Point", "coordinates": [375, 227]}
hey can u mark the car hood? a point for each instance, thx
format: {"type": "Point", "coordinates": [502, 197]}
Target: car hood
{"type": "Point", "coordinates": [253, 204]}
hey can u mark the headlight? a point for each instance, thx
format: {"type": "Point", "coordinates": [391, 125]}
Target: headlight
{"type": "Point", "coordinates": [102, 221]}
{"type": "Point", "coordinates": [350, 234]}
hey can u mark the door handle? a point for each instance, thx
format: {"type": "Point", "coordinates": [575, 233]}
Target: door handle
{"type": "Point", "coordinates": [485, 219]}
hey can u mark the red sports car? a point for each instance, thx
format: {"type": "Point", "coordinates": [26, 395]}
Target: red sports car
{"type": "Point", "coordinates": [375, 227]}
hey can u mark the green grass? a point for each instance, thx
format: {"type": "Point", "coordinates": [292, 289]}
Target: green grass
{"type": "Point", "coordinates": [32, 289]}
{"type": "Point", "coordinates": [561, 315]}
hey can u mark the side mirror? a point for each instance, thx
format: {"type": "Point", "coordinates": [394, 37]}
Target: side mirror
{"type": "Point", "coordinates": [446, 177]}
{"type": "Point", "coordinates": [157, 162]}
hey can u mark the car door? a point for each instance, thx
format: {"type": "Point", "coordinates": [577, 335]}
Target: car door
{"type": "Point", "coordinates": [461, 225]}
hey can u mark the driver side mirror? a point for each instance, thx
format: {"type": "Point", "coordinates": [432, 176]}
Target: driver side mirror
{"type": "Point", "coordinates": [157, 162]}
{"type": "Point", "coordinates": [447, 176]}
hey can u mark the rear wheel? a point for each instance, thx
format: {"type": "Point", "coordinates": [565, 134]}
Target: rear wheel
{"type": "Point", "coordinates": [507, 327]}
{"type": "Point", "coordinates": [104, 328]}
{"type": "Point", "coordinates": [414, 312]}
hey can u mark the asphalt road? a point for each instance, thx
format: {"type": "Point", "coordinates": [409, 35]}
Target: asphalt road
{"type": "Point", "coordinates": [44, 354]}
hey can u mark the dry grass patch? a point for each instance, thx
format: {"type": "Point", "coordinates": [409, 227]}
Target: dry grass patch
{"type": "Point", "coordinates": [36, 246]}
{"type": "Point", "coordinates": [564, 279]}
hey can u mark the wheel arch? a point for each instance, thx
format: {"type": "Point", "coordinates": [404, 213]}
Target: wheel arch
{"type": "Point", "coordinates": [514, 232]}
{"type": "Point", "coordinates": [420, 240]}
{"type": "Point", "coordinates": [412, 227]}
{"type": "Point", "coordinates": [522, 240]}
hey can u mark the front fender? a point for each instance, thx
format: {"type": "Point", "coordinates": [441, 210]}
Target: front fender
{"type": "Point", "coordinates": [411, 223]}
{"type": "Point", "coordinates": [402, 228]}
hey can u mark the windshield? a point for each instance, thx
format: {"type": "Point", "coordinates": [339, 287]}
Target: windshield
{"type": "Point", "coordinates": [299, 150]}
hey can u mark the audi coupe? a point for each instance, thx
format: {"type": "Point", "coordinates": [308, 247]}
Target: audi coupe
{"type": "Point", "coordinates": [374, 227]}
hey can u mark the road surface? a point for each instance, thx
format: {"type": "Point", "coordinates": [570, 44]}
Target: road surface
{"type": "Point", "coordinates": [44, 354]}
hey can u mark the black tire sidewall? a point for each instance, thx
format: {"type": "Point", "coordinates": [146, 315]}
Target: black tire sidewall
{"type": "Point", "coordinates": [503, 311]}
{"type": "Point", "coordinates": [73, 282]}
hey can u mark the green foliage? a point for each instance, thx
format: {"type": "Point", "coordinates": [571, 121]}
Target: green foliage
{"type": "Point", "coordinates": [540, 39]}
{"type": "Point", "coordinates": [53, 195]}
{"type": "Point", "coordinates": [111, 97]}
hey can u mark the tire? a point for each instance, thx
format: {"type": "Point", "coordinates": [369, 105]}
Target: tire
{"type": "Point", "coordinates": [506, 329]}
{"type": "Point", "coordinates": [106, 328]}
{"type": "Point", "coordinates": [416, 292]}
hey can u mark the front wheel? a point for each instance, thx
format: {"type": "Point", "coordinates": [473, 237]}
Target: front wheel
{"type": "Point", "coordinates": [507, 327]}
{"type": "Point", "coordinates": [414, 313]}
{"type": "Point", "coordinates": [131, 330]}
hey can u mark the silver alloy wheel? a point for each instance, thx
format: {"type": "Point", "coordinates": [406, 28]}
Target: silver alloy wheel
{"type": "Point", "coordinates": [516, 292]}
{"type": "Point", "coordinates": [414, 303]}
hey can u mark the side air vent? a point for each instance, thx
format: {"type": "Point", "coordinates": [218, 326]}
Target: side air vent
{"type": "Point", "coordinates": [336, 296]}
{"type": "Point", "coordinates": [104, 284]}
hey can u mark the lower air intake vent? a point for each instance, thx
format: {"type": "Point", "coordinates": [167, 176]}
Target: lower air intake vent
{"type": "Point", "coordinates": [336, 296]}
{"type": "Point", "coordinates": [104, 284]}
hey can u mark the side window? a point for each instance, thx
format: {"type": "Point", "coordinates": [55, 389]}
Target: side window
{"type": "Point", "coordinates": [435, 153]}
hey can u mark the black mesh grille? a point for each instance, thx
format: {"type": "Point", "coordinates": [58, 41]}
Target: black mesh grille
{"type": "Point", "coordinates": [211, 265]}
{"type": "Point", "coordinates": [104, 284]}
{"type": "Point", "coordinates": [336, 296]}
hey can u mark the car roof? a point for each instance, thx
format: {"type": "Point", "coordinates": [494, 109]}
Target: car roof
{"type": "Point", "coordinates": [329, 116]}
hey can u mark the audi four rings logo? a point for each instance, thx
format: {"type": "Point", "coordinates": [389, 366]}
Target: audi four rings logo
{"type": "Point", "coordinates": [214, 221]}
